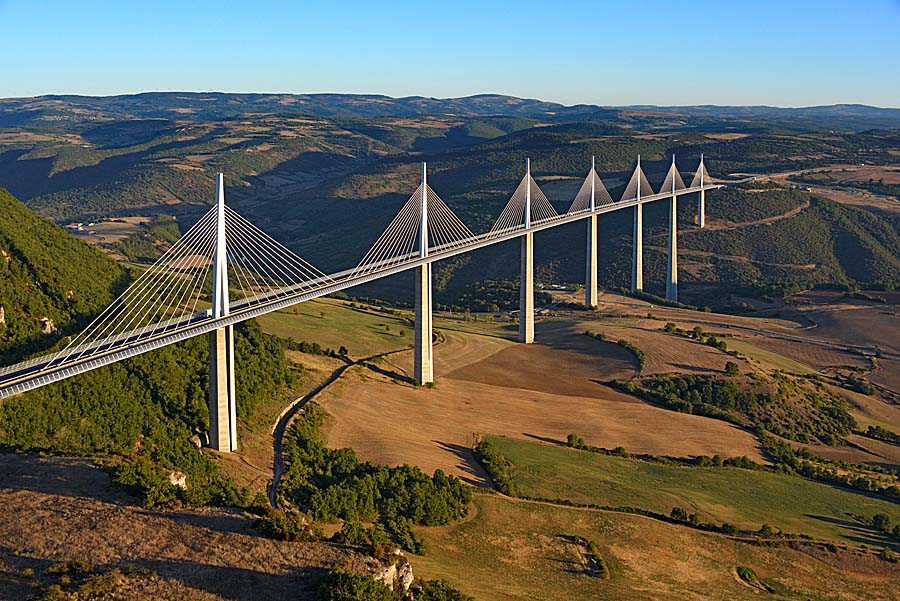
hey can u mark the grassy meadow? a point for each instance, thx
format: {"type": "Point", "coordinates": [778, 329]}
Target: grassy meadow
{"type": "Point", "coordinates": [742, 497]}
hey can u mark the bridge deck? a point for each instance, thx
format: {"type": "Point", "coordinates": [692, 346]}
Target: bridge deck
{"type": "Point", "coordinates": [47, 369]}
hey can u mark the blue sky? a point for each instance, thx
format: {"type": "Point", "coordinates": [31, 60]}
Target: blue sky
{"type": "Point", "coordinates": [785, 53]}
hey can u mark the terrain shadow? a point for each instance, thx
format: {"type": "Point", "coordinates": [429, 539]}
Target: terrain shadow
{"type": "Point", "coordinates": [232, 522]}
{"type": "Point", "coordinates": [390, 373]}
{"type": "Point", "coordinates": [546, 439]}
{"type": "Point", "coordinates": [238, 584]}
{"type": "Point", "coordinates": [474, 473]}
{"type": "Point", "coordinates": [61, 476]}
{"type": "Point", "coordinates": [863, 534]}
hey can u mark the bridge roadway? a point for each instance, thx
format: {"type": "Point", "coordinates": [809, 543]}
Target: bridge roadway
{"type": "Point", "coordinates": [41, 371]}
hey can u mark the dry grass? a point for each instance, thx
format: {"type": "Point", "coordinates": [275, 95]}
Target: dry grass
{"type": "Point", "coordinates": [58, 510]}
{"type": "Point", "coordinates": [486, 385]}
{"type": "Point", "coordinates": [515, 550]}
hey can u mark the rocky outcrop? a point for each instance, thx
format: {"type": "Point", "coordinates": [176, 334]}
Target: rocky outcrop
{"type": "Point", "coordinates": [2, 316]}
{"type": "Point", "coordinates": [396, 573]}
{"type": "Point", "coordinates": [178, 479]}
{"type": "Point", "coordinates": [49, 326]}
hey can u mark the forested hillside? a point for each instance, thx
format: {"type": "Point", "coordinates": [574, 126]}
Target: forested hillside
{"type": "Point", "coordinates": [49, 280]}
{"type": "Point", "coordinates": [144, 409]}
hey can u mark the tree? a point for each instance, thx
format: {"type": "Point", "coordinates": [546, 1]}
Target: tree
{"type": "Point", "coordinates": [697, 333]}
{"type": "Point", "coordinates": [732, 369]}
{"type": "Point", "coordinates": [882, 521]}
{"type": "Point", "coordinates": [679, 514]}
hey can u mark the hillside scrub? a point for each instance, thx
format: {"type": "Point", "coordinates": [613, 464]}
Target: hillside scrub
{"type": "Point", "coordinates": [792, 407]}
{"type": "Point", "coordinates": [333, 484]}
{"type": "Point", "coordinates": [338, 585]}
{"type": "Point", "coordinates": [46, 274]}
{"type": "Point", "coordinates": [145, 410]}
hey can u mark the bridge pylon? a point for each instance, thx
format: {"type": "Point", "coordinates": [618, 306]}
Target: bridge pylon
{"type": "Point", "coordinates": [672, 266]}
{"type": "Point", "coordinates": [637, 259]}
{"type": "Point", "coordinates": [526, 278]}
{"type": "Point", "coordinates": [423, 354]}
{"type": "Point", "coordinates": [701, 203]}
{"type": "Point", "coordinates": [590, 280]}
{"type": "Point", "coordinates": [222, 400]}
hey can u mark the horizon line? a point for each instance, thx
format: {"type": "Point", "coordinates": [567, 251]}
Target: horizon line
{"type": "Point", "coordinates": [449, 98]}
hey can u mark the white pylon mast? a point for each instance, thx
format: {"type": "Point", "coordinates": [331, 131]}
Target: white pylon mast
{"type": "Point", "coordinates": [701, 170]}
{"type": "Point", "coordinates": [674, 173]}
{"type": "Point", "coordinates": [593, 177]}
{"type": "Point", "coordinates": [638, 197]}
{"type": "Point", "coordinates": [423, 222]}
{"type": "Point", "coordinates": [527, 193]}
{"type": "Point", "coordinates": [220, 301]}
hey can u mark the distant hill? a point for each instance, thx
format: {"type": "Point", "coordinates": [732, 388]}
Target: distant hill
{"type": "Point", "coordinates": [55, 111]}
{"type": "Point", "coordinates": [49, 280]}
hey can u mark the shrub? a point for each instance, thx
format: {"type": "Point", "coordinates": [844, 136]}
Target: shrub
{"type": "Point", "coordinates": [279, 525]}
{"type": "Point", "coordinates": [732, 369]}
{"type": "Point", "coordinates": [679, 514]}
{"type": "Point", "coordinates": [437, 590]}
{"type": "Point", "coordinates": [575, 441]}
{"type": "Point", "coordinates": [332, 484]}
{"type": "Point", "coordinates": [343, 586]}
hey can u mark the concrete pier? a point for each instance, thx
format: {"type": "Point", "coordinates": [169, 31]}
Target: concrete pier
{"type": "Point", "coordinates": [526, 291]}
{"type": "Point", "coordinates": [222, 399]}
{"type": "Point", "coordinates": [590, 279]}
{"type": "Point", "coordinates": [672, 268]}
{"type": "Point", "coordinates": [423, 360]}
{"type": "Point", "coordinates": [637, 259]}
{"type": "Point", "coordinates": [701, 202]}
{"type": "Point", "coordinates": [701, 209]}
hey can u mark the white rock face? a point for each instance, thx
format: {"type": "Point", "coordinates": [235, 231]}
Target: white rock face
{"type": "Point", "coordinates": [2, 316]}
{"type": "Point", "coordinates": [398, 573]}
{"type": "Point", "coordinates": [178, 479]}
{"type": "Point", "coordinates": [49, 326]}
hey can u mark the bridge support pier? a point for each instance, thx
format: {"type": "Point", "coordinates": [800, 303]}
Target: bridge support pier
{"type": "Point", "coordinates": [526, 290]}
{"type": "Point", "coordinates": [701, 209]}
{"type": "Point", "coordinates": [222, 406]}
{"type": "Point", "coordinates": [701, 202]}
{"type": "Point", "coordinates": [423, 364]}
{"type": "Point", "coordinates": [672, 268]}
{"type": "Point", "coordinates": [590, 280]}
{"type": "Point", "coordinates": [637, 260]}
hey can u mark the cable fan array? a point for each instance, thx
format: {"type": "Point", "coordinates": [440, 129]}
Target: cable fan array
{"type": "Point", "coordinates": [263, 268]}
{"type": "Point", "coordinates": [637, 182]}
{"type": "Point", "coordinates": [582, 200]}
{"type": "Point", "coordinates": [513, 215]}
{"type": "Point", "coordinates": [400, 241]}
{"type": "Point", "coordinates": [175, 291]}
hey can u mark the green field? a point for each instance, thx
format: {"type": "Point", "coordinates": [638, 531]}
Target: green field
{"type": "Point", "coordinates": [514, 549]}
{"type": "Point", "coordinates": [332, 323]}
{"type": "Point", "coordinates": [745, 498]}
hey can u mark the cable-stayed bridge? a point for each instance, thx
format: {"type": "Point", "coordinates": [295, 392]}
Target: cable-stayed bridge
{"type": "Point", "coordinates": [224, 254]}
